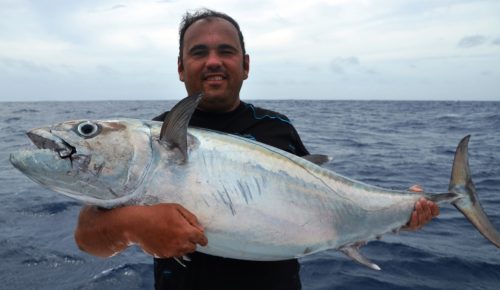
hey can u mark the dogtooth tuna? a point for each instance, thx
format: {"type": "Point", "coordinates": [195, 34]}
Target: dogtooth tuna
{"type": "Point", "coordinates": [255, 202]}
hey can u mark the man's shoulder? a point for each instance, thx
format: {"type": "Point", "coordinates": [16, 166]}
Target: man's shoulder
{"type": "Point", "coordinates": [260, 113]}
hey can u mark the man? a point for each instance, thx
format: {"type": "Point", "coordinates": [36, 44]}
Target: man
{"type": "Point", "coordinates": [212, 60]}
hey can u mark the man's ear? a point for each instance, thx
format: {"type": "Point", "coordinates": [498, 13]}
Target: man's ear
{"type": "Point", "coordinates": [246, 65]}
{"type": "Point", "coordinates": [180, 69]}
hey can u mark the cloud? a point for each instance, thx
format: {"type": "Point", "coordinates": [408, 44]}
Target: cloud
{"type": "Point", "coordinates": [106, 70]}
{"type": "Point", "coordinates": [23, 65]}
{"type": "Point", "coordinates": [471, 41]}
{"type": "Point", "coordinates": [118, 6]}
{"type": "Point", "coordinates": [340, 64]}
{"type": "Point", "coordinates": [132, 43]}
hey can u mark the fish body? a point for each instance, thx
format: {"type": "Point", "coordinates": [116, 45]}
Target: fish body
{"type": "Point", "coordinates": [260, 203]}
{"type": "Point", "coordinates": [256, 202]}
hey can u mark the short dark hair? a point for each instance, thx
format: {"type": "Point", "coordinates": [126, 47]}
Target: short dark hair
{"type": "Point", "coordinates": [189, 18]}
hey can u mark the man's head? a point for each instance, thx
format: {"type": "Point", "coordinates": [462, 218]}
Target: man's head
{"type": "Point", "coordinates": [190, 18]}
{"type": "Point", "coordinates": [212, 59]}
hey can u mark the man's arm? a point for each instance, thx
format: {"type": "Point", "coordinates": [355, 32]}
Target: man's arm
{"type": "Point", "coordinates": [162, 230]}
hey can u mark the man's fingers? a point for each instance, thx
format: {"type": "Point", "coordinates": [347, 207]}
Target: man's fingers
{"type": "Point", "coordinates": [418, 206]}
{"type": "Point", "coordinates": [416, 188]}
{"type": "Point", "coordinates": [183, 250]}
{"type": "Point", "coordinates": [427, 211]}
{"type": "Point", "coordinates": [196, 237]}
{"type": "Point", "coordinates": [180, 249]}
{"type": "Point", "coordinates": [191, 218]}
{"type": "Point", "coordinates": [422, 218]}
{"type": "Point", "coordinates": [417, 216]}
{"type": "Point", "coordinates": [413, 221]}
{"type": "Point", "coordinates": [201, 239]}
{"type": "Point", "coordinates": [189, 248]}
{"type": "Point", "coordinates": [434, 208]}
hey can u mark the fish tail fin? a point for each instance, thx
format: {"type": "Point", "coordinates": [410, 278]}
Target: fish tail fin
{"type": "Point", "coordinates": [467, 202]}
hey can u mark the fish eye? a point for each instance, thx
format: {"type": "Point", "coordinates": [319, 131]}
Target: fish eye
{"type": "Point", "coordinates": [87, 129]}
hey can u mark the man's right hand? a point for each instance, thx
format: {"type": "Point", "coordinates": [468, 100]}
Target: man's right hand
{"type": "Point", "coordinates": [162, 230]}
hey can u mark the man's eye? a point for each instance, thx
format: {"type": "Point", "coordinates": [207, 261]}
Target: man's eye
{"type": "Point", "coordinates": [198, 52]}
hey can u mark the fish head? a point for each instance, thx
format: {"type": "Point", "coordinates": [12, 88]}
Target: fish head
{"type": "Point", "coordinates": [96, 162]}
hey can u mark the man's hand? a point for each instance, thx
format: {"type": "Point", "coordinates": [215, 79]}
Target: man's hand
{"type": "Point", "coordinates": [162, 230]}
{"type": "Point", "coordinates": [424, 211]}
{"type": "Point", "coordinates": [168, 230]}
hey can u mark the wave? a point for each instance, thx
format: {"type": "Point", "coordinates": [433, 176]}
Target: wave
{"type": "Point", "coordinates": [47, 209]}
{"type": "Point", "coordinates": [125, 276]}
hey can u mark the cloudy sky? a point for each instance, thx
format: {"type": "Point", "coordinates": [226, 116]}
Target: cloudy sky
{"type": "Point", "coordinates": [329, 49]}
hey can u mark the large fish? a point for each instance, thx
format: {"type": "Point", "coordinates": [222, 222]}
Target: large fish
{"type": "Point", "coordinates": [255, 202]}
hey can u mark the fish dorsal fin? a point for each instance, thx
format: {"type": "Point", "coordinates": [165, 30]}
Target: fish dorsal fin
{"type": "Point", "coordinates": [174, 129]}
{"type": "Point", "coordinates": [352, 252]}
{"type": "Point", "coordinates": [317, 159]}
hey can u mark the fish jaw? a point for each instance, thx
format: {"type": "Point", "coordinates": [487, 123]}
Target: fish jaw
{"type": "Point", "coordinates": [45, 160]}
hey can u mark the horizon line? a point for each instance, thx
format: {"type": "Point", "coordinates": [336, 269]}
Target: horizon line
{"type": "Point", "coordinates": [260, 99]}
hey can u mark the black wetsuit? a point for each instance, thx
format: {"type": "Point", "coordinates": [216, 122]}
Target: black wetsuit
{"type": "Point", "coordinates": [211, 272]}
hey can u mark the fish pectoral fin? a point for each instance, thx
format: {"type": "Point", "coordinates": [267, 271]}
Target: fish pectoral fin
{"type": "Point", "coordinates": [180, 262]}
{"type": "Point", "coordinates": [174, 129]}
{"type": "Point", "coordinates": [184, 258]}
{"type": "Point", "coordinates": [317, 159]}
{"type": "Point", "coordinates": [352, 252]}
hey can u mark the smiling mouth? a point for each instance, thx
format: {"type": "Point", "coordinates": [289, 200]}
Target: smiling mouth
{"type": "Point", "coordinates": [215, 78]}
{"type": "Point", "coordinates": [43, 139]}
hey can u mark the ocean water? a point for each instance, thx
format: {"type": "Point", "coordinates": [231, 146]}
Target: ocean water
{"type": "Point", "coordinates": [390, 144]}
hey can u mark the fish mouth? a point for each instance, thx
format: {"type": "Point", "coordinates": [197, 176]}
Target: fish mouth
{"type": "Point", "coordinates": [44, 139]}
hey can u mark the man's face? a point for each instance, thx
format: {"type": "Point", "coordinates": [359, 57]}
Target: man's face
{"type": "Point", "coordinates": [213, 63]}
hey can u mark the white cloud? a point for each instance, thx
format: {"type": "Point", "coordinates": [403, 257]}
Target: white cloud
{"type": "Point", "coordinates": [472, 41]}
{"type": "Point", "coordinates": [340, 64]}
{"type": "Point", "coordinates": [296, 47]}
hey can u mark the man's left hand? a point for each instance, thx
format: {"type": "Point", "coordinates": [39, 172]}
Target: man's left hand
{"type": "Point", "coordinates": [424, 211]}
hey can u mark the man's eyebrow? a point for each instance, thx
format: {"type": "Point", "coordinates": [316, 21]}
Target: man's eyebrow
{"type": "Point", "coordinates": [203, 47]}
{"type": "Point", "coordinates": [227, 46]}
{"type": "Point", "coordinates": [198, 47]}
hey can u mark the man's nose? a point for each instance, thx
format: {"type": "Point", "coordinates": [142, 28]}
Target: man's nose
{"type": "Point", "coordinates": [213, 61]}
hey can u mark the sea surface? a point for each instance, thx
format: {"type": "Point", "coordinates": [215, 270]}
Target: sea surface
{"type": "Point", "coordinates": [386, 143]}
